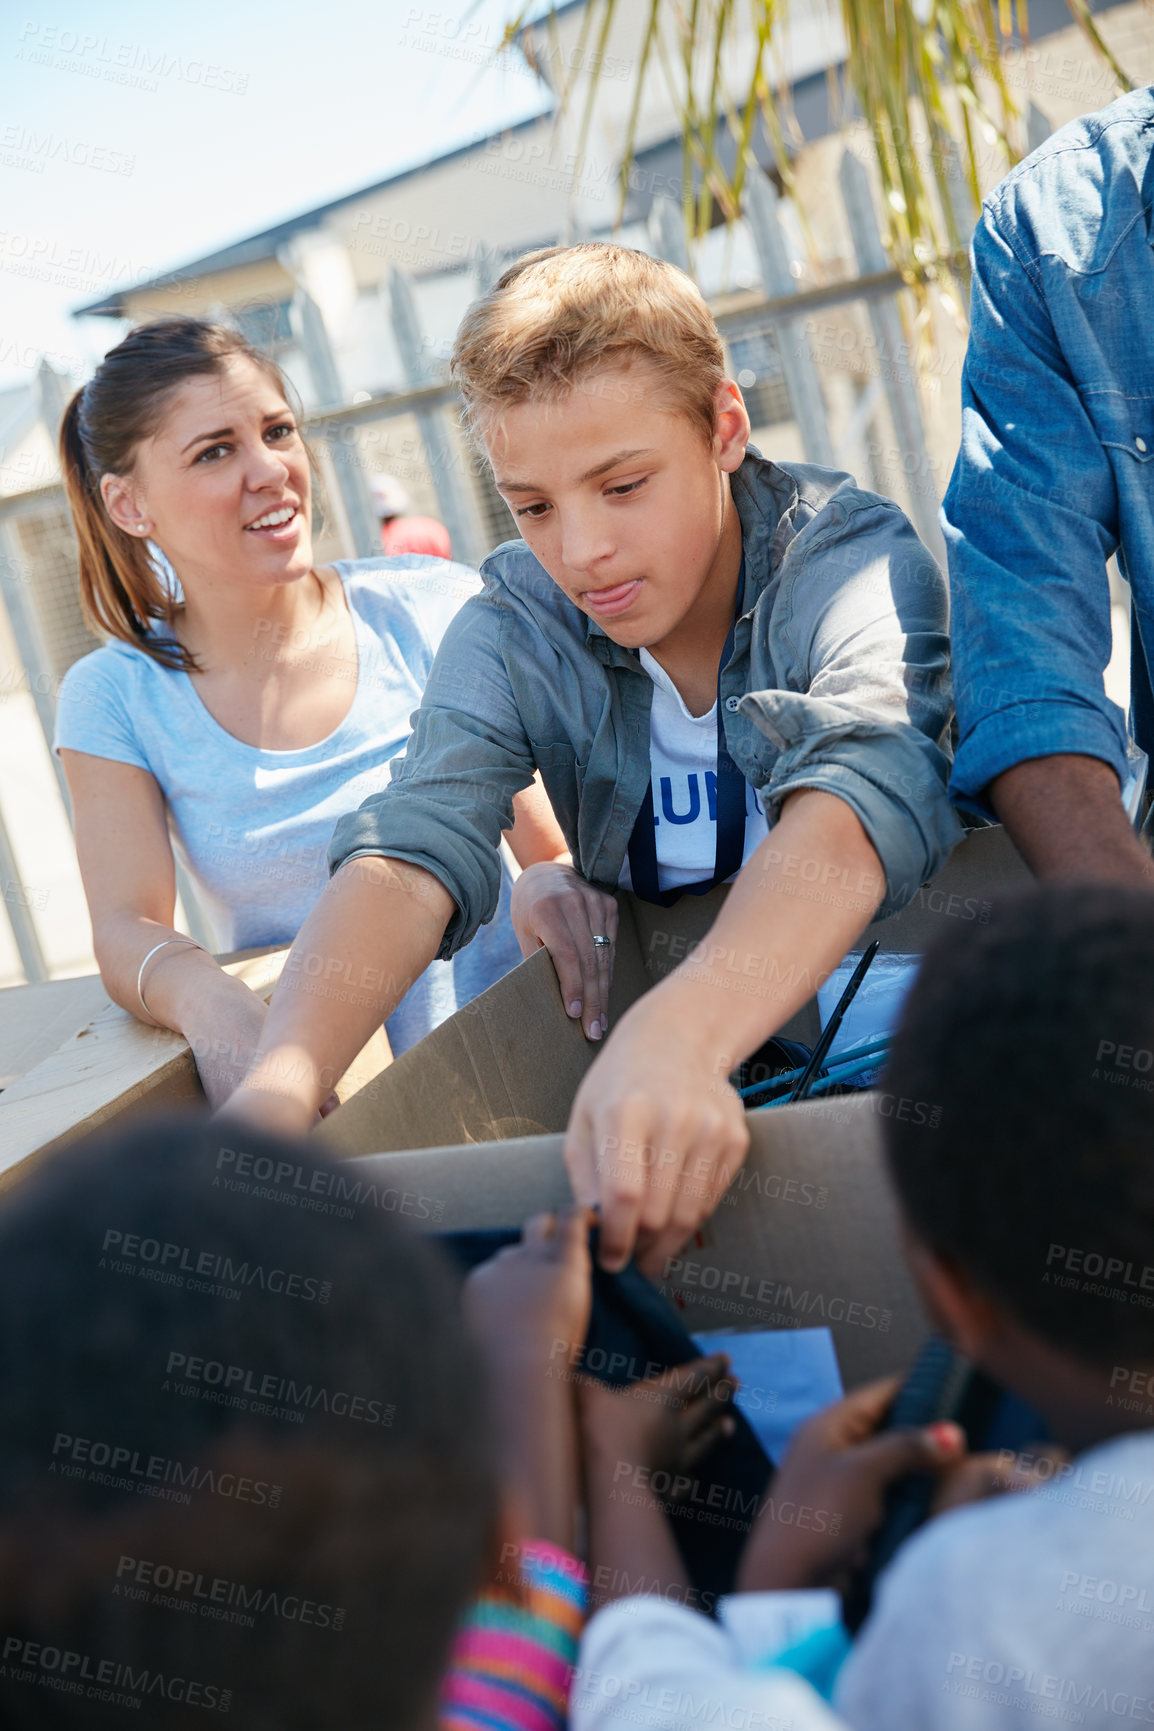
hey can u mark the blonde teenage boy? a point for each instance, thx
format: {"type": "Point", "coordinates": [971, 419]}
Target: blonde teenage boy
{"type": "Point", "coordinates": [722, 667]}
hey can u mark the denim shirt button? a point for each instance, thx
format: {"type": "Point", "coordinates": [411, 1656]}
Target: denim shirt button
{"type": "Point", "coordinates": [731, 703]}
{"type": "Point", "coordinates": [1140, 441]}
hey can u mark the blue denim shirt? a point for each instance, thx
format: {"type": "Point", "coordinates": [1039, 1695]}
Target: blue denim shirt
{"type": "Point", "coordinates": [839, 679]}
{"type": "Point", "coordinates": [1056, 469]}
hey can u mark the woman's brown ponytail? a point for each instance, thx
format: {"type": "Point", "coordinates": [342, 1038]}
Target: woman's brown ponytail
{"type": "Point", "coordinates": [119, 590]}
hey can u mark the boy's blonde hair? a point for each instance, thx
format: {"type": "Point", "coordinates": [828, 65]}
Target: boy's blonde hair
{"type": "Point", "coordinates": [558, 314]}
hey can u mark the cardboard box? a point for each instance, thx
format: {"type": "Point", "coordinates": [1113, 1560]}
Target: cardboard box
{"type": "Point", "coordinates": [464, 1131]}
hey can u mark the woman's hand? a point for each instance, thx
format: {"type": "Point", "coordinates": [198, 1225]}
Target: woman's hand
{"type": "Point", "coordinates": [837, 1472]}
{"type": "Point", "coordinates": [223, 1023]}
{"type": "Point", "coordinates": [553, 907]}
{"type": "Point", "coordinates": [223, 1029]}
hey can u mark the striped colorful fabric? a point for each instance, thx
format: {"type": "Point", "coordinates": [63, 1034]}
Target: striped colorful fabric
{"type": "Point", "coordinates": [513, 1659]}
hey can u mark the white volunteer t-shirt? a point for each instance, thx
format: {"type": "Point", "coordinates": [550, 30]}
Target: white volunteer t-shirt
{"type": "Point", "coordinates": [683, 768]}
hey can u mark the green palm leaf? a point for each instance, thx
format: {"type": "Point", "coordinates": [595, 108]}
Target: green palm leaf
{"type": "Point", "coordinates": [928, 82]}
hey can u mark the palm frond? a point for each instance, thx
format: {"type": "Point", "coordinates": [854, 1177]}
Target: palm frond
{"type": "Point", "coordinates": [1086, 22]}
{"type": "Point", "coordinates": [929, 84]}
{"type": "Point", "coordinates": [630, 139]}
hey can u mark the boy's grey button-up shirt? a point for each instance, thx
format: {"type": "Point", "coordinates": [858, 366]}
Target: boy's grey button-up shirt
{"type": "Point", "coordinates": [840, 668]}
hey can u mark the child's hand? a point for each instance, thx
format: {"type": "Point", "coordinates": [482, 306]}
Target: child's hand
{"type": "Point", "coordinates": [974, 1478]}
{"type": "Point", "coordinates": [665, 1424]}
{"type": "Point", "coordinates": [827, 1498]}
{"type": "Point", "coordinates": [529, 1305]}
{"type": "Point", "coordinates": [554, 907]}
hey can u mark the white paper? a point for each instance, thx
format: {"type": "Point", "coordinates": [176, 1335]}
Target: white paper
{"type": "Point", "coordinates": [786, 1375]}
{"type": "Point", "coordinates": [876, 1008]}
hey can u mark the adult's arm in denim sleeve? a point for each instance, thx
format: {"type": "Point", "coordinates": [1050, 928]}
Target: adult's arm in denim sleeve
{"type": "Point", "coordinates": [865, 705]}
{"type": "Point", "coordinates": [452, 793]}
{"type": "Point", "coordinates": [1030, 520]}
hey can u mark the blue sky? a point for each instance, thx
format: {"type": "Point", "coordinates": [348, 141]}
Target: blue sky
{"type": "Point", "coordinates": [156, 134]}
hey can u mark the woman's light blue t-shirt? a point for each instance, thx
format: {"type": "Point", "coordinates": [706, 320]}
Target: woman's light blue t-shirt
{"type": "Point", "coordinates": [251, 826]}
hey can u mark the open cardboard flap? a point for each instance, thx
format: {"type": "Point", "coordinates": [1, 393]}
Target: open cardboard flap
{"type": "Point", "coordinates": [807, 1234]}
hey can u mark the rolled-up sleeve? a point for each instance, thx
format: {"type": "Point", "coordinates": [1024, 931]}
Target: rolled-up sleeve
{"type": "Point", "coordinates": [863, 702]}
{"type": "Point", "coordinates": [451, 795]}
{"type": "Point", "coordinates": [1030, 520]}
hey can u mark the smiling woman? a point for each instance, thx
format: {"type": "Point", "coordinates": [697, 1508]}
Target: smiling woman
{"type": "Point", "coordinates": [235, 716]}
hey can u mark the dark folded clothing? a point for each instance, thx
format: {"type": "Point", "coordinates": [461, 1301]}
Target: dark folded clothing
{"type": "Point", "coordinates": [634, 1333]}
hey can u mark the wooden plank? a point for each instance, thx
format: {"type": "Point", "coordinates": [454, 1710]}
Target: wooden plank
{"type": "Point", "coordinates": [116, 1065]}
{"type": "Point", "coordinates": [35, 1019]}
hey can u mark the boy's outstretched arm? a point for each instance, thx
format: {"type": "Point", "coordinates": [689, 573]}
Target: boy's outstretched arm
{"type": "Point", "coordinates": [656, 1131]}
{"type": "Point", "coordinates": [373, 932]}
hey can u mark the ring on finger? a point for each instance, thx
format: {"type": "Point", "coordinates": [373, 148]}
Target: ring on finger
{"type": "Point", "coordinates": [602, 942]}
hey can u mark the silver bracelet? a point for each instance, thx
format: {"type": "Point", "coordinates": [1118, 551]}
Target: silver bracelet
{"type": "Point", "coordinates": [163, 944]}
